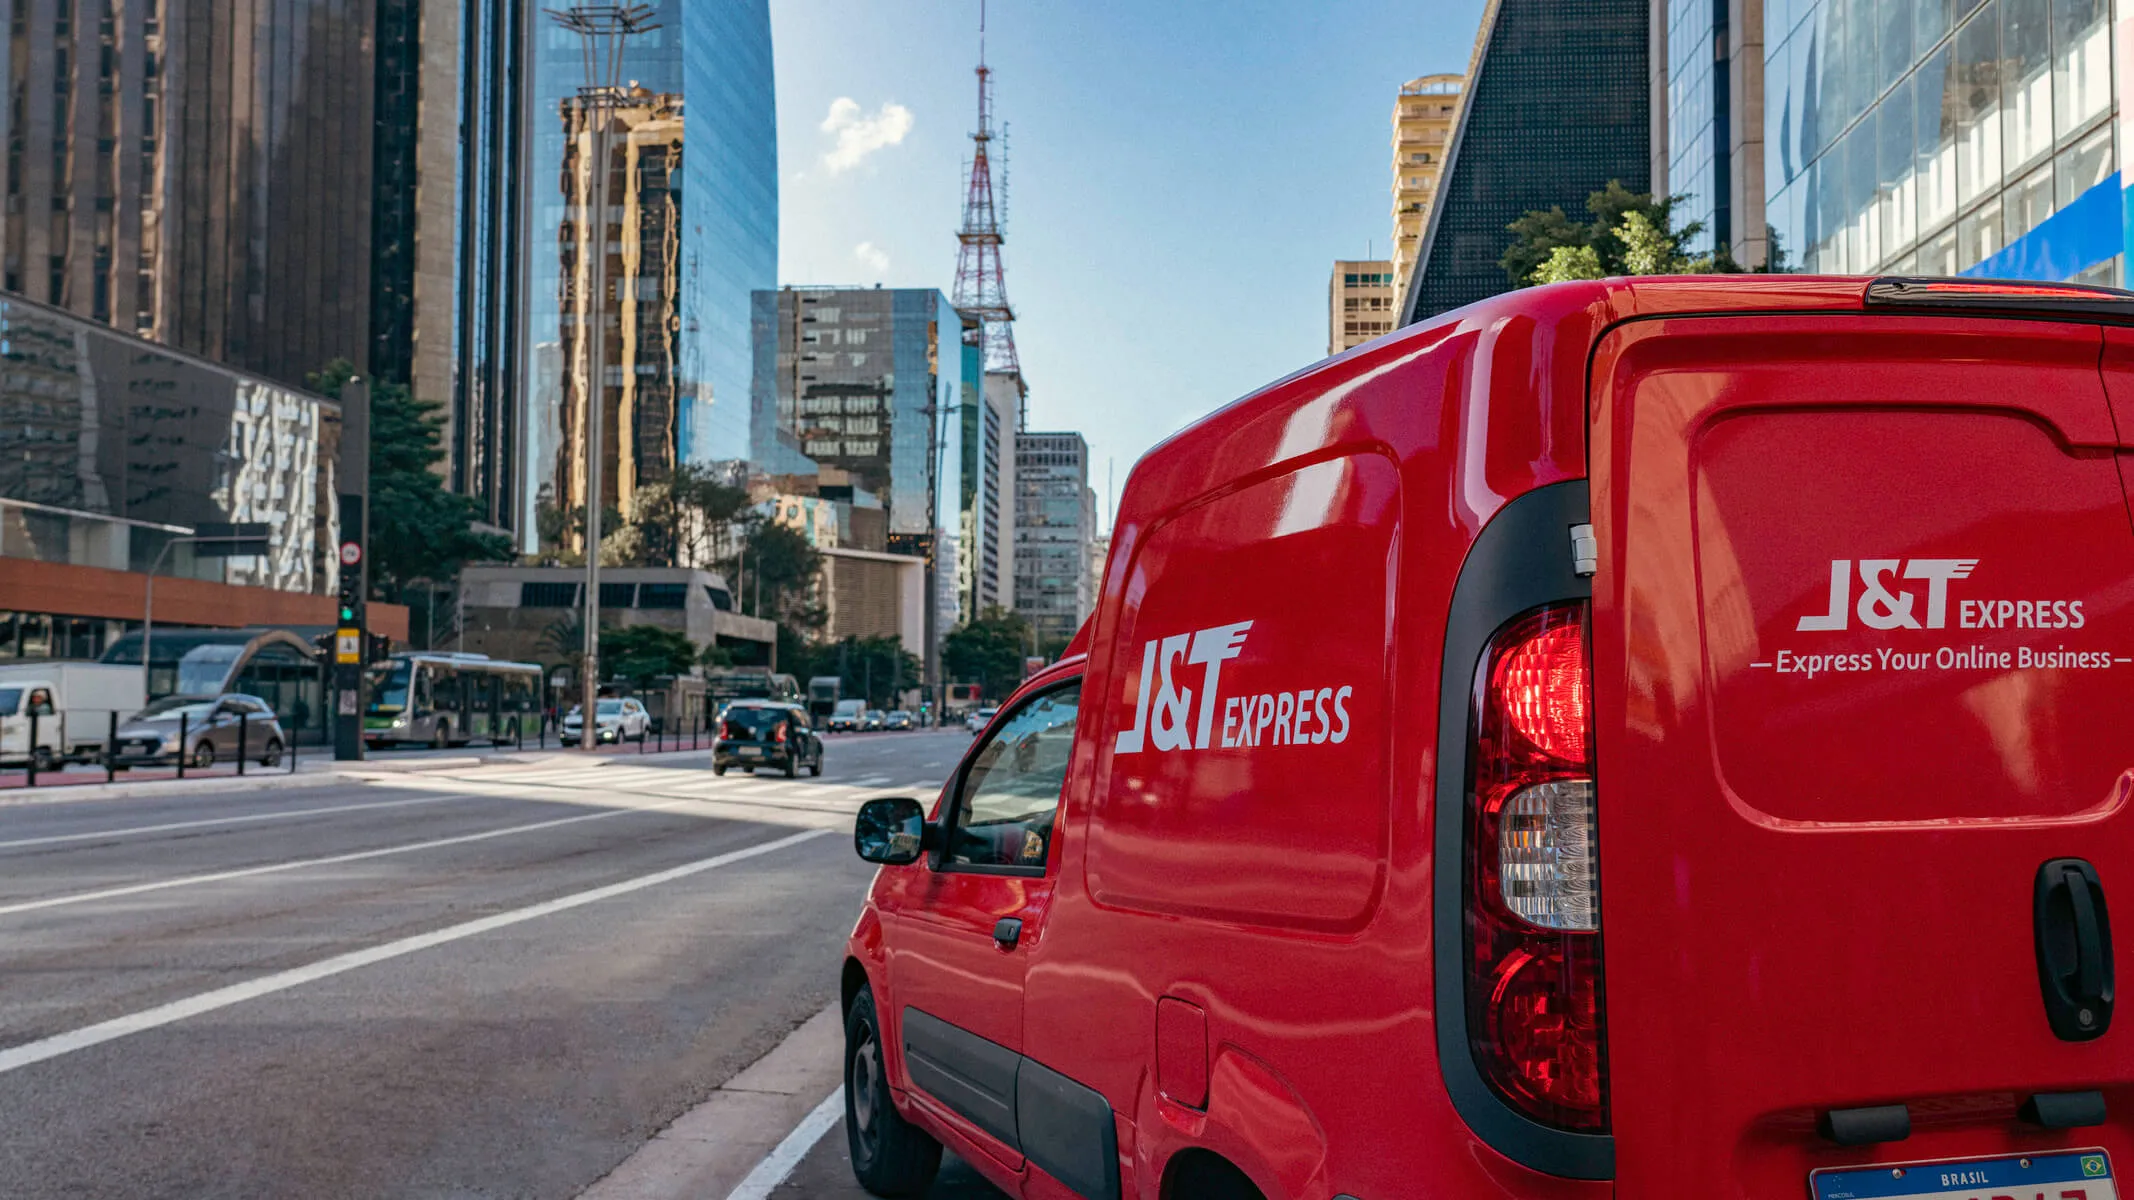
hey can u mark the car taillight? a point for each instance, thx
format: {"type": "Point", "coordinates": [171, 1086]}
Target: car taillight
{"type": "Point", "coordinates": [778, 735]}
{"type": "Point", "coordinates": [1535, 1011]}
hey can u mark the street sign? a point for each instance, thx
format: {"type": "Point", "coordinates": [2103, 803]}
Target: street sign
{"type": "Point", "coordinates": [230, 539]}
{"type": "Point", "coordinates": [348, 646]}
{"type": "Point", "coordinates": [351, 554]}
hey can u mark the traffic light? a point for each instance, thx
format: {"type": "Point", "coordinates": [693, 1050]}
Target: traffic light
{"type": "Point", "coordinates": [378, 646]}
{"type": "Point", "coordinates": [351, 610]}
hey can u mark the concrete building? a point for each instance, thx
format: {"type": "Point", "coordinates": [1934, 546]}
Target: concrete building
{"type": "Point", "coordinates": [1055, 521]}
{"type": "Point", "coordinates": [533, 614]}
{"type": "Point", "coordinates": [1974, 139]}
{"type": "Point", "coordinates": [1005, 392]}
{"type": "Point", "coordinates": [716, 58]}
{"type": "Point", "coordinates": [1423, 117]}
{"type": "Point", "coordinates": [639, 272]}
{"type": "Point", "coordinates": [873, 594]}
{"type": "Point", "coordinates": [183, 172]}
{"type": "Point", "coordinates": [1361, 300]}
{"type": "Point", "coordinates": [1557, 104]}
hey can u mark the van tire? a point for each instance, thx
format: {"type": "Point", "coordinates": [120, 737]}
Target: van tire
{"type": "Point", "coordinates": [890, 1156]}
{"type": "Point", "coordinates": [41, 758]}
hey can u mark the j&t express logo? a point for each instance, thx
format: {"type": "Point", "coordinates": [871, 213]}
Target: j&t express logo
{"type": "Point", "coordinates": [1166, 717]}
{"type": "Point", "coordinates": [1888, 601]}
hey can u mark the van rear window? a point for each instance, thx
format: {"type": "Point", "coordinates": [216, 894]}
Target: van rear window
{"type": "Point", "coordinates": [1247, 720]}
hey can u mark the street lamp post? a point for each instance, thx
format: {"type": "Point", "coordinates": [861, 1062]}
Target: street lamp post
{"type": "Point", "coordinates": [148, 609]}
{"type": "Point", "coordinates": [603, 30]}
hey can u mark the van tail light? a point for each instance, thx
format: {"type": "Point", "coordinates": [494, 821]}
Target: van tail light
{"type": "Point", "coordinates": [1535, 1011]}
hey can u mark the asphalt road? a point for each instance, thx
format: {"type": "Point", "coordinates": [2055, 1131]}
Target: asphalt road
{"type": "Point", "coordinates": [474, 981]}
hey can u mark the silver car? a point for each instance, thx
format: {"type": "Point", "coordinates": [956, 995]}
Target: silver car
{"type": "Point", "coordinates": [203, 730]}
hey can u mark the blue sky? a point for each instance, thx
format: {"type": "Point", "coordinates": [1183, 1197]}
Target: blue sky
{"type": "Point", "coordinates": [1182, 173]}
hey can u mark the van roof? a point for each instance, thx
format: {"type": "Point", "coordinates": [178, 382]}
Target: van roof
{"type": "Point", "coordinates": [1547, 334]}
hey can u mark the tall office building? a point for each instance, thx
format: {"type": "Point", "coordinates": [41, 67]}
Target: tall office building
{"type": "Point", "coordinates": [862, 380]}
{"type": "Point", "coordinates": [1423, 116]}
{"type": "Point", "coordinates": [1557, 104]}
{"type": "Point", "coordinates": [717, 59]}
{"type": "Point", "coordinates": [1973, 138]}
{"type": "Point", "coordinates": [636, 267]}
{"type": "Point", "coordinates": [1005, 393]}
{"type": "Point", "coordinates": [1707, 139]}
{"type": "Point", "coordinates": [447, 251]}
{"type": "Point", "coordinates": [1055, 520]}
{"type": "Point", "coordinates": [985, 448]}
{"type": "Point", "coordinates": [1360, 302]}
{"type": "Point", "coordinates": [189, 170]}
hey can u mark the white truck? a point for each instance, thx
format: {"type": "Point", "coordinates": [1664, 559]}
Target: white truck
{"type": "Point", "coordinates": [74, 704]}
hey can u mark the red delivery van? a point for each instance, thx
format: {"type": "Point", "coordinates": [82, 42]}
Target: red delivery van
{"type": "Point", "coordinates": [1644, 739]}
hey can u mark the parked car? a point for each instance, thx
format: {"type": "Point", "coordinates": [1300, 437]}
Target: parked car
{"type": "Point", "coordinates": [978, 719]}
{"type": "Point", "coordinates": [203, 730]}
{"type": "Point", "coordinates": [848, 716]}
{"type": "Point", "coordinates": [898, 719]}
{"type": "Point", "coordinates": [616, 720]}
{"type": "Point", "coordinates": [766, 733]}
{"type": "Point", "coordinates": [1779, 627]}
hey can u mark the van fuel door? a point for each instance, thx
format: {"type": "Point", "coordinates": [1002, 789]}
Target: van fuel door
{"type": "Point", "coordinates": [2074, 932]}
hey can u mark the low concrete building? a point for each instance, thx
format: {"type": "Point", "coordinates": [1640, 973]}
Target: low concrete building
{"type": "Point", "coordinates": [873, 594]}
{"type": "Point", "coordinates": [530, 613]}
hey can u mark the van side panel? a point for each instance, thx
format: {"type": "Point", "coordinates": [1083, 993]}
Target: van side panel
{"type": "Point", "coordinates": [1213, 876]}
{"type": "Point", "coordinates": [1863, 642]}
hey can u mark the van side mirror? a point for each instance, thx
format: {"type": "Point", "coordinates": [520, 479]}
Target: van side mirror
{"type": "Point", "coordinates": [893, 831]}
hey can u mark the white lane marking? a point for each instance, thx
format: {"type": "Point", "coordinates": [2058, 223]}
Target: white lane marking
{"type": "Point", "coordinates": [17, 1057]}
{"type": "Point", "coordinates": [277, 815]}
{"type": "Point", "coordinates": [780, 1162]}
{"type": "Point", "coordinates": [134, 889]}
{"type": "Point", "coordinates": [873, 780]}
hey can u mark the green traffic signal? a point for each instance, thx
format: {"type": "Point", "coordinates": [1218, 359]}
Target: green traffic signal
{"type": "Point", "coordinates": [348, 614]}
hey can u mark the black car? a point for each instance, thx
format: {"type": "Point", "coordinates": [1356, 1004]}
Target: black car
{"type": "Point", "coordinates": [766, 733]}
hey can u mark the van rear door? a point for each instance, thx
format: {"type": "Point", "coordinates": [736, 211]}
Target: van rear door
{"type": "Point", "coordinates": [1864, 665]}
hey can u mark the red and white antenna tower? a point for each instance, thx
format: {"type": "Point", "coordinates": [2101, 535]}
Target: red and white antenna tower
{"type": "Point", "coordinates": [981, 284]}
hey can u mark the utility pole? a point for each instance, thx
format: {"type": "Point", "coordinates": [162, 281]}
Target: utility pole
{"type": "Point", "coordinates": [351, 642]}
{"type": "Point", "coordinates": [604, 30]}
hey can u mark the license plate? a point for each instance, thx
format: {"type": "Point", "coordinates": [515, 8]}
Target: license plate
{"type": "Point", "coordinates": [142, 747]}
{"type": "Point", "coordinates": [2062, 1175]}
{"type": "Point", "coordinates": [751, 751]}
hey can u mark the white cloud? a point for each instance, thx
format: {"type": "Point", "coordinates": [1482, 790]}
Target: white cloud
{"type": "Point", "coordinates": [871, 256]}
{"type": "Point", "coordinates": [859, 133]}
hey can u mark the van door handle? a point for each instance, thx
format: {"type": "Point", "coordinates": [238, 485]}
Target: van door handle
{"type": "Point", "coordinates": [2074, 948]}
{"type": "Point", "coordinates": [1007, 931]}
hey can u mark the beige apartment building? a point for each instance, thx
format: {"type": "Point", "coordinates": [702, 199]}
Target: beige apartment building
{"type": "Point", "coordinates": [1423, 119]}
{"type": "Point", "coordinates": [1360, 302]}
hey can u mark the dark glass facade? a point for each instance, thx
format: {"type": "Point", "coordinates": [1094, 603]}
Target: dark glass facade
{"type": "Point", "coordinates": [1559, 104]}
{"type": "Point", "coordinates": [193, 171]}
{"type": "Point", "coordinates": [491, 259]}
{"type": "Point", "coordinates": [395, 183]}
{"type": "Point", "coordinates": [111, 446]}
{"type": "Point", "coordinates": [1939, 137]}
{"type": "Point", "coordinates": [1700, 125]}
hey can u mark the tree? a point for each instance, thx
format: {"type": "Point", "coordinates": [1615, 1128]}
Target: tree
{"type": "Point", "coordinates": [641, 653]}
{"type": "Point", "coordinates": [1631, 233]}
{"type": "Point", "coordinates": [686, 519]}
{"type": "Point", "coordinates": [775, 574]}
{"type": "Point", "coordinates": [989, 651]}
{"type": "Point", "coordinates": [418, 530]}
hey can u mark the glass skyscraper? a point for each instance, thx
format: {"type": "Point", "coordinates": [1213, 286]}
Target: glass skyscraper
{"type": "Point", "coordinates": [1928, 137]}
{"type": "Point", "coordinates": [716, 56]}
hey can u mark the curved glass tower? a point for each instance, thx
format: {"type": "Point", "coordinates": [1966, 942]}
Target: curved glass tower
{"type": "Point", "coordinates": [711, 62]}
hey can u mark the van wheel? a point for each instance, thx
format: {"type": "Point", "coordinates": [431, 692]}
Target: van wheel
{"type": "Point", "coordinates": [890, 1156]}
{"type": "Point", "coordinates": [41, 758]}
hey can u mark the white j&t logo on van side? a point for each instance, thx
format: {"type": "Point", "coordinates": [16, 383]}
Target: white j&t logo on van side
{"type": "Point", "coordinates": [1166, 717]}
{"type": "Point", "coordinates": [1883, 604]}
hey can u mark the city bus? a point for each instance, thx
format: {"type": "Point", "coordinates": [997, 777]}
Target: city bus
{"type": "Point", "coordinates": [438, 699]}
{"type": "Point", "coordinates": [749, 683]}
